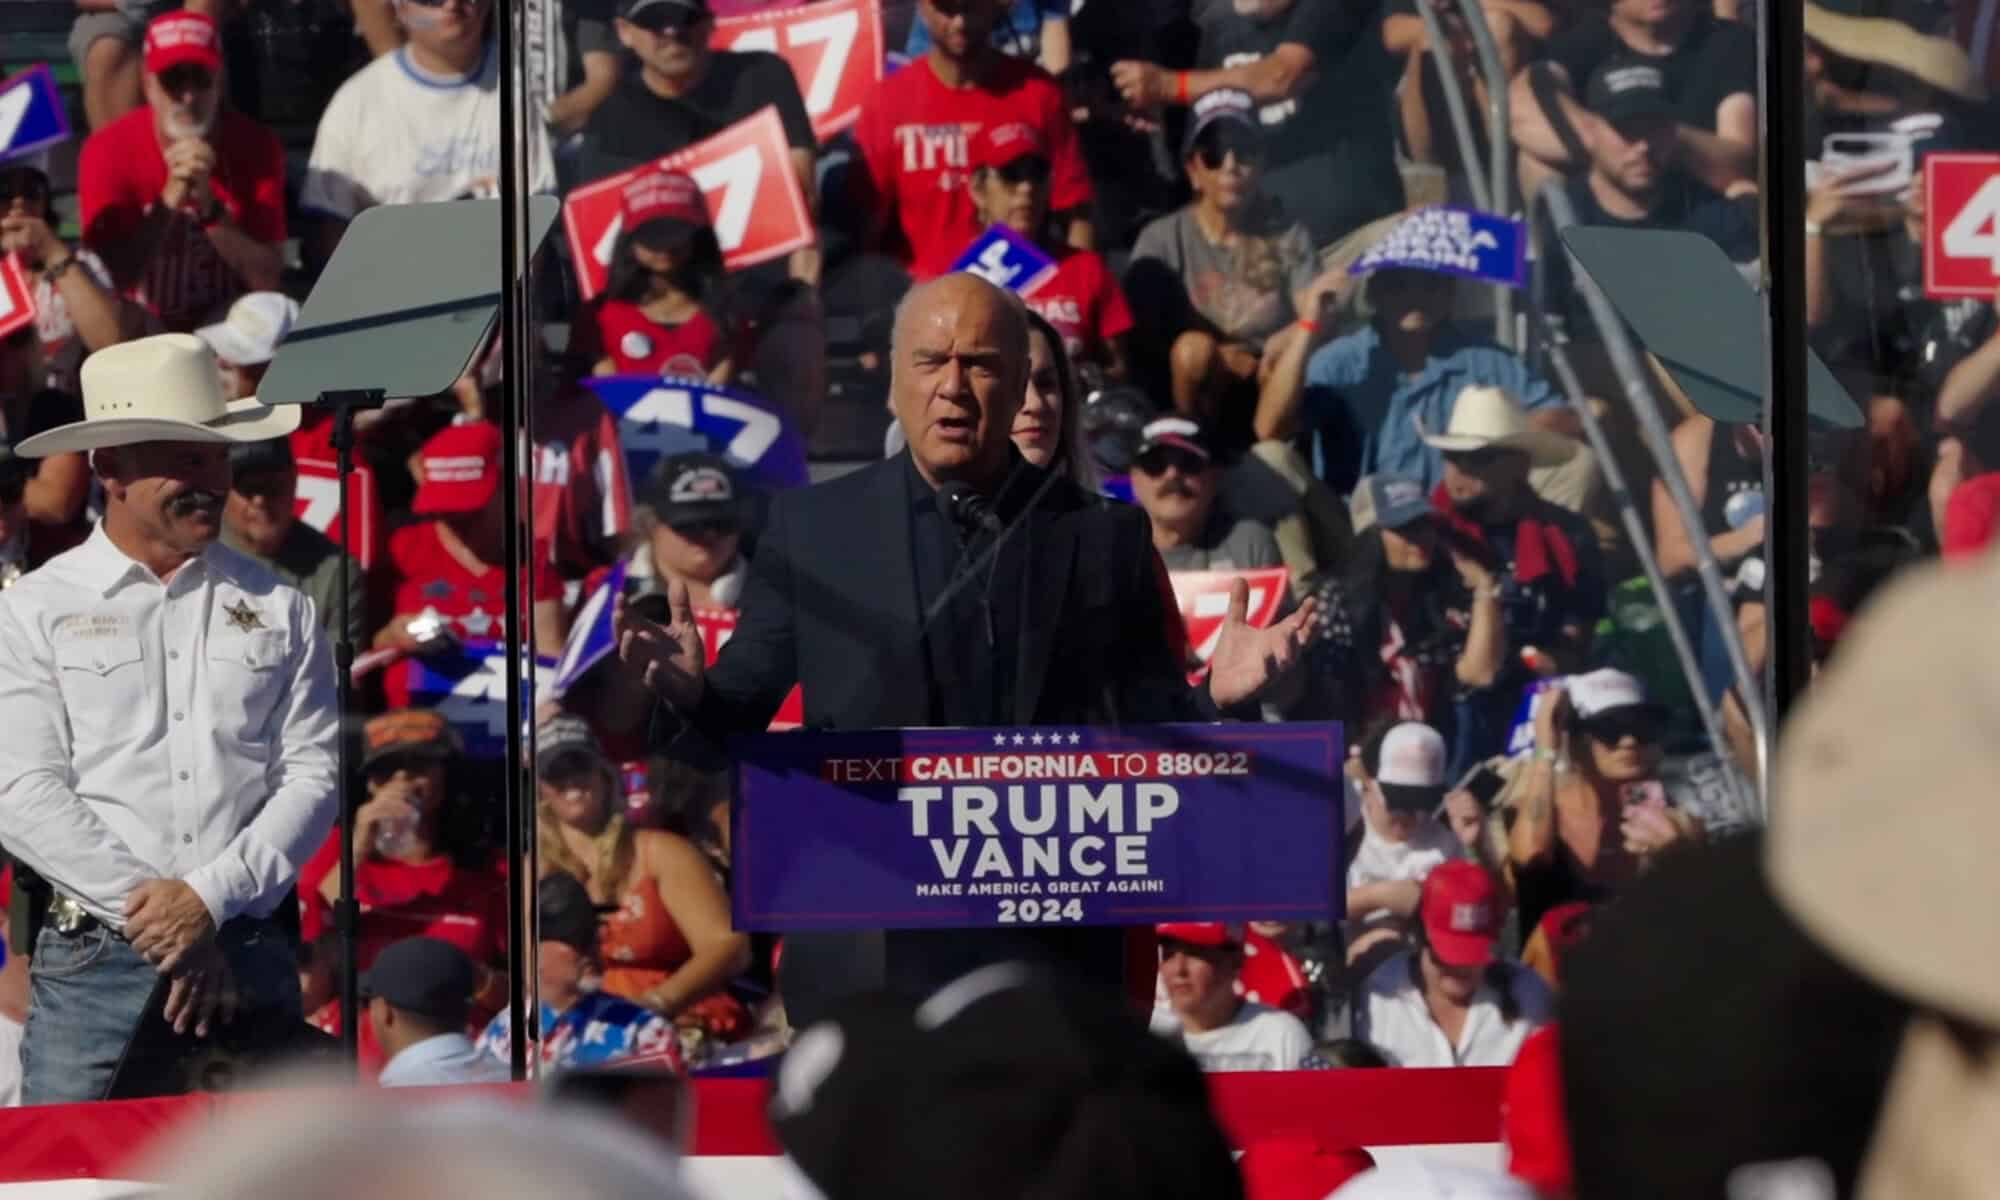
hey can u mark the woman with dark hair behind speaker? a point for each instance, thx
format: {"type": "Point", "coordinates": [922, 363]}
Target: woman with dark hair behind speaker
{"type": "Point", "coordinates": [1048, 430]}
{"type": "Point", "coordinates": [1447, 1001]}
{"type": "Point", "coordinates": [661, 311]}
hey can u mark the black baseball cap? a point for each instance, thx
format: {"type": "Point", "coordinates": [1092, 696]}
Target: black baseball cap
{"type": "Point", "coordinates": [631, 9]}
{"type": "Point", "coordinates": [1624, 89]}
{"type": "Point", "coordinates": [689, 488]}
{"type": "Point", "coordinates": [271, 454]}
{"type": "Point", "coordinates": [425, 976]}
{"type": "Point", "coordinates": [564, 913]}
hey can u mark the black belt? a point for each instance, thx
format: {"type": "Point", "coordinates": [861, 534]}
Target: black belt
{"type": "Point", "coordinates": [69, 918]}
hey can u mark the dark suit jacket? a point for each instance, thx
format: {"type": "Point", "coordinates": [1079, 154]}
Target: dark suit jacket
{"type": "Point", "coordinates": [831, 603]}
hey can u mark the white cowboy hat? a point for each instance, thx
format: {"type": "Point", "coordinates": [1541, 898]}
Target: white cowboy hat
{"type": "Point", "coordinates": [1488, 416]}
{"type": "Point", "coordinates": [158, 389]}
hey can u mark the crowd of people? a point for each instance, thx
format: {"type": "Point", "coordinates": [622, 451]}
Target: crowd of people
{"type": "Point", "coordinates": [1202, 177]}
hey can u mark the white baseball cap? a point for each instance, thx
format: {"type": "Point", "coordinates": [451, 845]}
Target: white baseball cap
{"type": "Point", "coordinates": [250, 334]}
{"type": "Point", "coordinates": [1595, 693]}
{"type": "Point", "coordinates": [1410, 767]}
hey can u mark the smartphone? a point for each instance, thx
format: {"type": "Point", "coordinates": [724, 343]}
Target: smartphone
{"type": "Point", "coordinates": [1650, 793]}
{"type": "Point", "coordinates": [1484, 783]}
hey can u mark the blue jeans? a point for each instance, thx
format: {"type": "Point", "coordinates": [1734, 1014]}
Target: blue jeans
{"type": "Point", "coordinates": [87, 994]}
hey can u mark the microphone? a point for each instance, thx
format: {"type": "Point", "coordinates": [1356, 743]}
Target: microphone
{"type": "Point", "coordinates": [966, 508]}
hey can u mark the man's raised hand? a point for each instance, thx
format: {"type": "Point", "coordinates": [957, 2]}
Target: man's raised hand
{"type": "Point", "coordinates": [668, 658]}
{"type": "Point", "coordinates": [1246, 658]}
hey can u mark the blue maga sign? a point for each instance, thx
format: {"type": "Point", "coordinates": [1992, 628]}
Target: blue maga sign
{"type": "Point", "coordinates": [1005, 259]}
{"type": "Point", "coordinates": [31, 113]}
{"type": "Point", "coordinates": [467, 685]}
{"type": "Point", "coordinates": [971, 828]}
{"type": "Point", "coordinates": [1454, 241]}
{"type": "Point", "coordinates": [659, 417]}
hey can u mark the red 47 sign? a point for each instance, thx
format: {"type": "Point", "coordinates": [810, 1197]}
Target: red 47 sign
{"type": "Point", "coordinates": [1961, 225]}
{"type": "Point", "coordinates": [17, 299]}
{"type": "Point", "coordinates": [1203, 597]}
{"type": "Point", "coordinates": [318, 505]}
{"type": "Point", "coordinates": [745, 173]}
{"type": "Point", "coordinates": [834, 49]}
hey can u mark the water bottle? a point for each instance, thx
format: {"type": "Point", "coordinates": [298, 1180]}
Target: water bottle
{"type": "Point", "coordinates": [394, 835]}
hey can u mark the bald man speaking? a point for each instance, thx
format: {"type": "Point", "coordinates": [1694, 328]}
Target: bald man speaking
{"type": "Point", "coordinates": [954, 584]}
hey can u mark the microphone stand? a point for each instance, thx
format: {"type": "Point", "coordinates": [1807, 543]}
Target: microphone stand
{"type": "Point", "coordinates": [347, 910]}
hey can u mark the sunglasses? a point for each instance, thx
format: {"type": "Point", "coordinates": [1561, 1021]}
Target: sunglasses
{"type": "Point", "coordinates": [1475, 460]}
{"type": "Point", "coordinates": [713, 528]}
{"type": "Point", "coordinates": [22, 185]}
{"type": "Point", "coordinates": [188, 77]}
{"type": "Point", "coordinates": [1614, 728]}
{"type": "Point", "coordinates": [1029, 168]}
{"type": "Point", "coordinates": [1214, 152]}
{"type": "Point", "coordinates": [1158, 459]}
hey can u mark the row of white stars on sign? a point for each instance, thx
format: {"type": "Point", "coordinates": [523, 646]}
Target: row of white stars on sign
{"type": "Point", "coordinates": [1019, 739]}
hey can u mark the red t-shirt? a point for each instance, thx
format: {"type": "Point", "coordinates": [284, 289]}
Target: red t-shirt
{"type": "Point", "coordinates": [913, 136]}
{"type": "Point", "coordinates": [583, 498]}
{"type": "Point", "coordinates": [119, 177]}
{"type": "Point", "coordinates": [464, 906]}
{"type": "Point", "coordinates": [638, 345]}
{"type": "Point", "coordinates": [429, 578]}
{"type": "Point", "coordinates": [1083, 301]}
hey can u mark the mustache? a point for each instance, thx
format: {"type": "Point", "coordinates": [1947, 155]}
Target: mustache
{"type": "Point", "coordinates": [1177, 487]}
{"type": "Point", "coordinates": [194, 500]}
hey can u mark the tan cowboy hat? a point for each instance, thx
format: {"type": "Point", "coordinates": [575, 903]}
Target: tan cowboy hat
{"type": "Point", "coordinates": [1937, 61]}
{"type": "Point", "coordinates": [1488, 416]}
{"type": "Point", "coordinates": [158, 389]}
{"type": "Point", "coordinates": [1883, 822]}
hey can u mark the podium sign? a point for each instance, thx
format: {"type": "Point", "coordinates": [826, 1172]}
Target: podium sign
{"type": "Point", "coordinates": [1048, 826]}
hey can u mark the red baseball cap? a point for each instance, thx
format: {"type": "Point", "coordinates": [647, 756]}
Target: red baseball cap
{"type": "Point", "coordinates": [461, 466]}
{"type": "Point", "coordinates": [1202, 933]}
{"type": "Point", "coordinates": [1970, 516]}
{"type": "Point", "coordinates": [181, 37]}
{"type": "Point", "coordinates": [998, 145]}
{"type": "Point", "coordinates": [1532, 1127]}
{"type": "Point", "coordinates": [1461, 913]}
{"type": "Point", "coordinates": [1299, 1167]}
{"type": "Point", "coordinates": [662, 196]}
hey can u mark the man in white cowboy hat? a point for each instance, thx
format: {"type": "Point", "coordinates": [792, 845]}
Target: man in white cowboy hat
{"type": "Point", "coordinates": [1546, 559]}
{"type": "Point", "coordinates": [169, 756]}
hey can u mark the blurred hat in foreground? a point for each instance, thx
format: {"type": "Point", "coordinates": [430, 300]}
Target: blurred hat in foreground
{"type": "Point", "coordinates": [1004, 1084]}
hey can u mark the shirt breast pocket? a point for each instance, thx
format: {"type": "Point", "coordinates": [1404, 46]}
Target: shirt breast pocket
{"type": "Point", "coordinates": [246, 681]}
{"type": "Point", "coordinates": [102, 679]}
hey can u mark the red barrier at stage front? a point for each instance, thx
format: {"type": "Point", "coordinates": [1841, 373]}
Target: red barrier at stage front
{"type": "Point", "coordinates": [110, 1140]}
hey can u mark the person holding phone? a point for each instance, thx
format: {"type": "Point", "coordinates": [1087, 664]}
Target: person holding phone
{"type": "Point", "coordinates": [1587, 811]}
{"type": "Point", "coordinates": [1402, 787]}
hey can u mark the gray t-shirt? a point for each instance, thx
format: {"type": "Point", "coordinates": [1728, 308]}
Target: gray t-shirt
{"type": "Point", "coordinates": [1244, 290]}
{"type": "Point", "coordinates": [1228, 544]}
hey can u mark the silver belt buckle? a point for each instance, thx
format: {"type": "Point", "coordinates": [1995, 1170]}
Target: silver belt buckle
{"type": "Point", "coordinates": [67, 916]}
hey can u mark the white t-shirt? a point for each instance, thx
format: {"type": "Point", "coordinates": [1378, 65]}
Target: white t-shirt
{"type": "Point", "coordinates": [1393, 1017]}
{"type": "Point", "coordinates": [394, 134]}
{"type": "Point", "coordinates": [1380, 860]}
{"type": "Point", "coordinates": [1261, 1038]}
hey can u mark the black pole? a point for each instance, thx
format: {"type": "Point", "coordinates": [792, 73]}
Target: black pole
{"type": "Point", "coordinates": [1787, 547]}
{"type": "Point", "coordinates": [515, 334]}
{"type": "Point", "coordinates": [347, 911]}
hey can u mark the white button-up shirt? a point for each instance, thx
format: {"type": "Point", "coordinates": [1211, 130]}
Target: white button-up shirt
{"type": "Point", "coordinates": [1393, 1016]}
{"type": "Point", "coordinates": [181, 731]}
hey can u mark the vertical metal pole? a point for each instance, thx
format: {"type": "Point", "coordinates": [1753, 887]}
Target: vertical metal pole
{"type": "Point", "coordinates": [1787, 548]}
{"type": "Point", "coordinates": [514, 333]}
